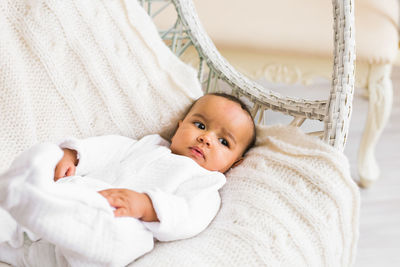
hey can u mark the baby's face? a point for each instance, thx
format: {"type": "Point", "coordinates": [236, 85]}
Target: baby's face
{"type": "Point", "coordinates": [214, 133]}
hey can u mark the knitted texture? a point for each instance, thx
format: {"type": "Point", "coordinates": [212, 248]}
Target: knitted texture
{"type": "Point", "coordinates": [292, 202]}
{"type": "Point", "coordinates": [85, 68]}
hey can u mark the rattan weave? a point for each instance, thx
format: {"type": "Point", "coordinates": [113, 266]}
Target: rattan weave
{"type": "Point", "coordinates": [335, 112]}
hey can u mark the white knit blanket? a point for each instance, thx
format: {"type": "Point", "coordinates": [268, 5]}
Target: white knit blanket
{"type": "Point", "coordinates": [85, 68]}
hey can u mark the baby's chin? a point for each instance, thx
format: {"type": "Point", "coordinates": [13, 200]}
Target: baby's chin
{"type": "Point", "coordinates": [203, 162]}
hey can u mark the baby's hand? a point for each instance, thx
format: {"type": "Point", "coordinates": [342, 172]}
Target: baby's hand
{"type": "Point", "coordinates": [130, 203]}
{"type": "Point", "coordinates": [67, 165]}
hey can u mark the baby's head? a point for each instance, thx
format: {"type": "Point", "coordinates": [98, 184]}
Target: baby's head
{"type": "Point", "coordinates": [216, 132]}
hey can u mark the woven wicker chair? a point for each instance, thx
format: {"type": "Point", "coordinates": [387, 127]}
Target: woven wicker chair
{"type": "Point", "coordinates": [213, 69]}
{"type": "Point", "coordinates": [299, 51]}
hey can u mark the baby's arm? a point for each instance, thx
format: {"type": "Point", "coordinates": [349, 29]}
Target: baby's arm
{"type": "Point", "coordinates": [130, 203]}
{"type": "Point", "coordinates": [67, 165]}
{"type": "Point", "coordinates": [95, 153]}
{"type": "Point", "coordinates": [187, 211]}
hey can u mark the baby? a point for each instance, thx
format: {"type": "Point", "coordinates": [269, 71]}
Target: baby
{"type": "Point", "coordinates": [114, 195]}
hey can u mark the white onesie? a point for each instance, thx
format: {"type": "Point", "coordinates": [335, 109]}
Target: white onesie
{"type": "Point", "coordinates": [71, 216]}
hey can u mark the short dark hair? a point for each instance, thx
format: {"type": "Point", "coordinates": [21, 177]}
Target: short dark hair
{"type": "Point", "coordinates": [244, 107]}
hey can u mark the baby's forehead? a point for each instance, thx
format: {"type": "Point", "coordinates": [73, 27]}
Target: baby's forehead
{"type": "Point", "coordinates": [214, 102]}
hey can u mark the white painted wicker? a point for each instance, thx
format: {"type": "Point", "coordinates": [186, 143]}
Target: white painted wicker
{"type": "Point", "coordinates": [335, 112]}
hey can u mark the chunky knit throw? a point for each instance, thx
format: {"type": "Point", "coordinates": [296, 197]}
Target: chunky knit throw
{"type": "Point", "coordinates": [87, 68]}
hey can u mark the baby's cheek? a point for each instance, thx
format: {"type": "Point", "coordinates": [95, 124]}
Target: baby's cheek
{"type": "Point", "coordinates": [222, 161]}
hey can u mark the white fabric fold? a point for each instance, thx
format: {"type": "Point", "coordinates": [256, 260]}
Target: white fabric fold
{"type": "Point", "coordinates": [97, 152]}
{"type": "Point", "coordinates": [180, 217]}
{"type": "Point", "coordinates": [80, 223]}
{"type": "Point", "coordinates": [77, 220]}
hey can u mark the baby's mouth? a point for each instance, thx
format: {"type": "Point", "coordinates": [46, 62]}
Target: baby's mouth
{"type": "Point", "coordinates": [197, 152]}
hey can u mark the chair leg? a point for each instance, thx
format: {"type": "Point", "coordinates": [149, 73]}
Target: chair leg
{"type": "Point", "coordinates": [380, 93]}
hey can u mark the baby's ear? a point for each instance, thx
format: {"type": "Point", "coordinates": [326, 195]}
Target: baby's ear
{"type": "Point", "coordinates": [238, 162]}
{"type": "Point", "coordinates": [176, 129]}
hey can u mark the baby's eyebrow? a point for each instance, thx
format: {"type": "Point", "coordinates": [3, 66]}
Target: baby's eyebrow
{"type": "Point", "coordinates": [201, 116]}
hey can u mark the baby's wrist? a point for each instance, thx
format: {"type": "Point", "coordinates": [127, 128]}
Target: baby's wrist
{"type": "Point", "coordinates": [148, 212]}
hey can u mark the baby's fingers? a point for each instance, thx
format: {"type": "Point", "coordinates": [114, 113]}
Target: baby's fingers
{"type": "Point", "coordinates": [114, 200]}
{"type": "Point", "coordinates": [121, 212]}
{"type": "Point", "coordinates": [60, 172]}
{"type": "Point", "coordinates": [71, 171]}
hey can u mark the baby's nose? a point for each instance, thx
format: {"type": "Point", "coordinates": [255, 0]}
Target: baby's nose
{"type": "Point", "coordinates": [205, 139]}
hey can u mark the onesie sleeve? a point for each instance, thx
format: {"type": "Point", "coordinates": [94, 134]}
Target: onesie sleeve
{"type": "Point", "coordinates": [96, 152]}
{"type": "Point", "coordinates": [189, 210]}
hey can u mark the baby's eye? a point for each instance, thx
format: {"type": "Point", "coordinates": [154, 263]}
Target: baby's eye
{"type": "Point", "coordinates": [224, 142]}
{"type": "Point", "coordinates": [200, 125]}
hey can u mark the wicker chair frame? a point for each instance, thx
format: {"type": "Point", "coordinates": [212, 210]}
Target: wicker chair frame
{"type": "Point", "coordinates": [335, 112]}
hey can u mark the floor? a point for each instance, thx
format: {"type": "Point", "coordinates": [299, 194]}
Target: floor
{"type": "Point", "coordinates": [379, 243]}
